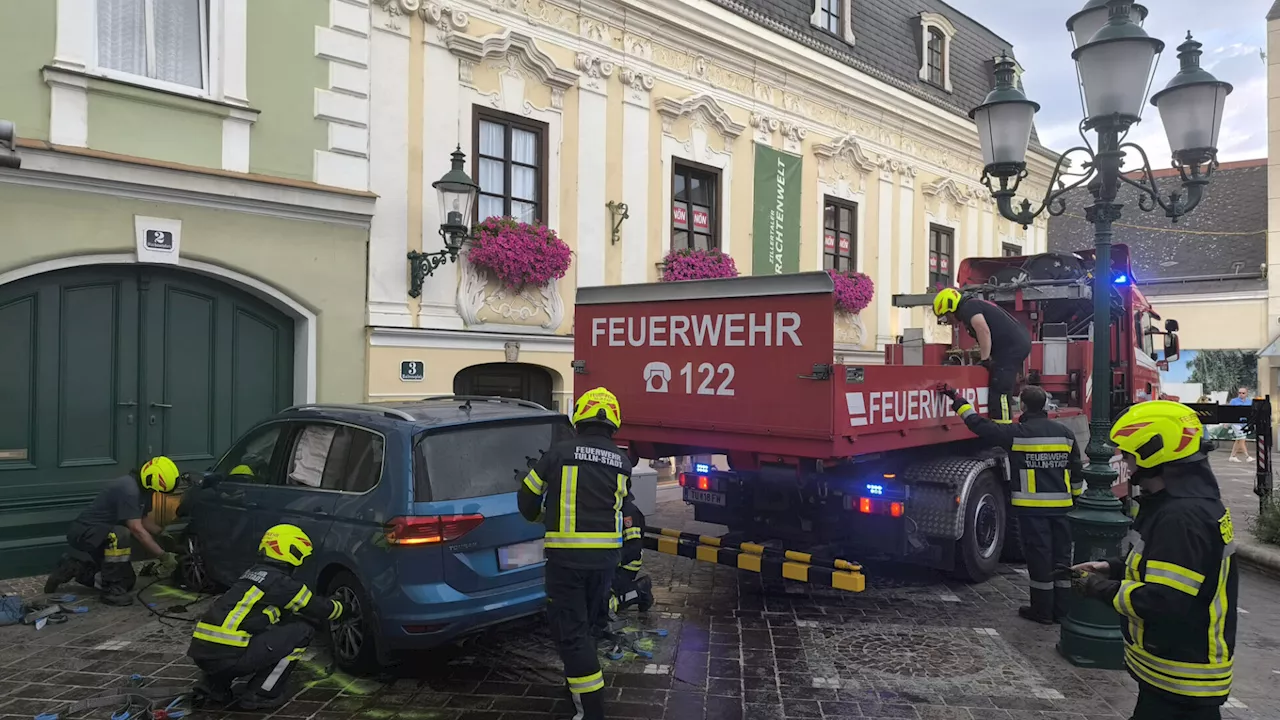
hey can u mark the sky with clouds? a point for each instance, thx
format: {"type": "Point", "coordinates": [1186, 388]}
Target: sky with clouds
{"type": "Point", "coordinates": [1234, 34]}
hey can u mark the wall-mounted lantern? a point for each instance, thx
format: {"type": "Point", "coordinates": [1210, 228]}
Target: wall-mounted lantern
{"type": "Point", "coordinates": [457, 194]}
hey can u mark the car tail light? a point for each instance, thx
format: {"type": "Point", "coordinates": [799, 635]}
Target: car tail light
{"type": "Point", "coordinates": [428, 529]}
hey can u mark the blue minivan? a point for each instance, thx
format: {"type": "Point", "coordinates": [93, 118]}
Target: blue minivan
{"type": "Point", "coordinates": [411, 508]}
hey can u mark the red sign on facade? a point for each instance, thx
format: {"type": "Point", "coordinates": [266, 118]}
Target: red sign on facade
{"type": "Point", "coordinates": [680, 216]}
{"type": "Point", "coordinates": [829, 242]}
{"type": "Point", "coordinates": [933, 263]}
{"type": "Point", "coordinates": [844, 245]}
{"type": "Point", "coordinates": [701, 221]}
{"type": "Point", "coordinates": [946, 265]}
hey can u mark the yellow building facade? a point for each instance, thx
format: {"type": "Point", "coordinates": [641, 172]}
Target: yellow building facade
{"type": "Point", "coordinates": [567, 110]}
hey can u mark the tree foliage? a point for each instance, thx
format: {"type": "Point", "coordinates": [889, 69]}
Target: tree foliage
{"type": "Point", "coordinates": [1224, 370]}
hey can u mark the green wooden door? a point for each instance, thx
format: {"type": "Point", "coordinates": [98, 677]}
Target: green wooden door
{"type": "Point", "coordinates": [105, 367]}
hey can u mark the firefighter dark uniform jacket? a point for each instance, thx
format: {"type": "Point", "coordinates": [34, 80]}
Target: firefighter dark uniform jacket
{"type": "Point", "coordinates": [1043, 455]}
{"type": "Point", "coordinates": [632, 538]}
{"type": "Point", "coordinates": [258, 600]}
{"type": "Point", "coordinates": [1177, 589]}
{"type": "Point", "coordinates": [577, 489]}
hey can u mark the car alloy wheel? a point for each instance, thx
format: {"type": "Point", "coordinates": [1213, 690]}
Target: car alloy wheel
{"type": "Point", "coordinates": [191, 565]}
{"type": "Point", "coordinates": [347, 632]}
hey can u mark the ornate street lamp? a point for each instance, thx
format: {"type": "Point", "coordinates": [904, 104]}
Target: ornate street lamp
{"type": "Point", "coordinates": [457, 194]}
{"type": "Point", "coordinates": [1114, 60]}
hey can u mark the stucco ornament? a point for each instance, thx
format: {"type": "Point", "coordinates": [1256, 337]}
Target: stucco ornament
{"type": "Point", "coordinates": [445, 17]}
{"type": "Point", "coordinates": [850, 329]}
{"type": "Point", "coordinates": [483, 300]}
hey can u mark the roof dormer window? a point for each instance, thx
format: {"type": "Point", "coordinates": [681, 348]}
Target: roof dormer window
{"type": "Point", "coordinates": [936, 33]}
{"type": "Point", "coordinates": [835, 17]}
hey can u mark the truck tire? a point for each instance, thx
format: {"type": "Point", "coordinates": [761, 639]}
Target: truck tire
{"type": "Point", "coordinates": [985, 524]}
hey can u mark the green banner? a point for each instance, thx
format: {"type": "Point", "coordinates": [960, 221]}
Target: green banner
{"type": "Point", "coordinates": [776, 221]}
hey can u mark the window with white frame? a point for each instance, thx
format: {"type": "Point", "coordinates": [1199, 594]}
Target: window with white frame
{"type": "Point", "coordinates": [936, 33]}
{"type": "Point", "coordinates": [163, 40]}
{"type": "Point", "coordinates": [835, 17]}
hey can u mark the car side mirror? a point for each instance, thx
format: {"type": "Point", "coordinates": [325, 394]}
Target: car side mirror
{"type": "Point", "coordinates": [1171, 347]}
{"type": "Point", "coordinates": [1171, 325]}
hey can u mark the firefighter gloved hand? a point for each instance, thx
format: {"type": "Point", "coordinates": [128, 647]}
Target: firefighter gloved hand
{"type": "Point", "coordinates": [1097, 586]}
{"type": "Point", "coordinates": [985, 364]}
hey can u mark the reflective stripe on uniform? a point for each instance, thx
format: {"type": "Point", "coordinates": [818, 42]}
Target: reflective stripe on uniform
{"type": "Point", "coordinates": [584, 540]}
{"type": "Point", "coordinates": [1077, 486]}
{"type": "Point", "coordinates": [1123, 601]}
{"type": "Point", "coordinates": [1181, 669]}
{"type": "Point", "coordinates": [586, 683]}
{"type": "Point", "coordinates": [337, 610]}
{"type": "Point", "coordinates": [1041, 500]}
{"type": "Point", "coordinates": [229, 633]}
{"type": "Point", "coordinates": [273, 614]}
{"type": "Point", "coordinates": [1175, 576]}
{"type": "Point", "coordinates": [535, 483]}
{"type": "Point", "coordinates": [1006, 417]}
{"type": "Point", "coordinates": [633, 566]}
{"type": "Point", "coordinates": [632, 533]}
{"type": "Point", "coordinates": [300, 600]}
{"type": "Point", "coordinates": [116, 555]}
{"type": "Point", "coordinates": [1042, 444]}
{"type": "Point", "coordinates": [966, 410]}
{"type": "Point", "coordinates": [1215, 687]}
{"type": "Point", "coordinates": [568, 499]}
{"type": "Point", "coordinates": [1038, 585]}
{"type": "Point", "coordinates": [1218, 610]}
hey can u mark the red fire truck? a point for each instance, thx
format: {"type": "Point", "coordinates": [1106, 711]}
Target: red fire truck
{"type": "Point", "coordinates": [866, 458]}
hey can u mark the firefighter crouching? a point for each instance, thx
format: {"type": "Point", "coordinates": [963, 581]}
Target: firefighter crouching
{"type": "Point", "coordinates": [1003, 344]}
{"type": "Point", "coordinates": [577, 489]}
{"type": "Point", "coordinates": [256, 627]}
{"type": "Point", "coordinates": [1176, 589]}
{"type": "Point", "coordinates": [1046, 458]}
{"type": "Point", "coordinates": [100, 539]}
{"type": "Point", "coordinates": [630, 588]}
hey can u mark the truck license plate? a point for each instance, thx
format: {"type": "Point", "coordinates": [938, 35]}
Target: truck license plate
{"type": "Point", "coordinates": [520, 555]}
{"type": "Point", "coordinates": [702, 496]}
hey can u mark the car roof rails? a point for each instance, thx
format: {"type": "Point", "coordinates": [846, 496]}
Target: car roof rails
{"type": "Point", "coordinates": [389, 412]}
{"type": "Point", "coordinates": [485, 398]}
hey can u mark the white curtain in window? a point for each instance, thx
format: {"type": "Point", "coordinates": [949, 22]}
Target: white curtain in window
{"type": "Point", "coordinates": [490, 207]}
{"type": "Point", "coordinates": [491, 180]}
{"type": "Point", "coordinates": [179, 42]}
{"type": "Point", "coordinates": [492, 139]}
{"type": "Point", "coordinates": [122, 35]}
{"type": "Point", "coordinates": [309, 456]}
{"type": "Point", "coordinates": [524, 183]}
{"type": "Point", "coordinates": [524, 147]}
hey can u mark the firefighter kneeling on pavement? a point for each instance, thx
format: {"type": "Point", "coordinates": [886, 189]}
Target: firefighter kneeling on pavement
{"type": "Point", "coordinates": [257, 629]}
{"type": "Point", "coordinates": [101, 538]}
{"type": "Point", "coordinates": [1176, 589]}
{"type": "Point", "coordinates": [577, 490]}
{"type": "Point", "coordinates": [1044, 455]}
{"type": "Point", "coordinates": [629, 586]}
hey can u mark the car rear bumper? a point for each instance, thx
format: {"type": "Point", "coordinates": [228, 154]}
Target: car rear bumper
{"type": "Point", "coordinates": [421, 626]}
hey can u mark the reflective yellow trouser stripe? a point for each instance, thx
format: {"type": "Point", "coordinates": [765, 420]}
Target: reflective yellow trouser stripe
{"type": "Point", "coordinates": [633, 566]}
{"type": "Point", "coordinates": [113, 553]}
{"type": "Point", "coordinates": [1218, 611]}
{"type": "Point", "coordinates": [586, 683]}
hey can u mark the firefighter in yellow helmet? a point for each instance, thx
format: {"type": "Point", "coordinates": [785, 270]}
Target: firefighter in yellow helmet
{"type": "Point", "coordinates": [1176, 589]}
{"type": "Point", "coordinates": [577, 490]}
{"type": "Point", "coordinates": [256, 629]}
{"type": "Point", "coordinates": [101, 537]}
{"type": "Point", "coordinates": [1003, 344]}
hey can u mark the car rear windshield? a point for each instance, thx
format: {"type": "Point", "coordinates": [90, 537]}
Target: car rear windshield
{"type": "Point", "coordinates": [482, 459]}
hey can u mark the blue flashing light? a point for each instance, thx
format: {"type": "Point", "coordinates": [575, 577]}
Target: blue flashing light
{"type": "Point", "coordinates": [875, 489]}
{"type": "Point", "coordinates": [1121, 279]}
{"type": "Point", "coordinates": [701, 468]}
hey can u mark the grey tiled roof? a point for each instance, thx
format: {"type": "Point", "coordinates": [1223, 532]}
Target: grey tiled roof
{"type": "Point", "coordinates": [887, 44]}
{"type": "Point", "coordinates": [1274, 13]}
{"type": "Point", "coordinates": [1225, 236]}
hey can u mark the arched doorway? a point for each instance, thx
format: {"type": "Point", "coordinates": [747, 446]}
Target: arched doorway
{"type": "Point", "coordinates": [512, 380]}
{"type": "Point", "coordinates": [105, 366]}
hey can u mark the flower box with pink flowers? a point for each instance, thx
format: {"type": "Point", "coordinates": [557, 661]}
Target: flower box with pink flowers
{"type": "Point", "coordinates": [686, 264]}
{"type": "Point", "coordinates": [519, 254]}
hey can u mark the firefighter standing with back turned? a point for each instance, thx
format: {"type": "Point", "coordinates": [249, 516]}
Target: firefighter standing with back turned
{"type": "Point", "coordinates": [1176, 589]}
{"type": "Point", "coordinates": [577, 489]}
{"type": "Point", "coordinates": [1003, 344]}
{"type": "Point", "coordinates": [1046, 458]}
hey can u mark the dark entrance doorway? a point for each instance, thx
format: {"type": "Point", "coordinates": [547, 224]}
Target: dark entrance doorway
{"type": "Point", "coordinates": [512, 380]}
{"type": "Point", "coordinates": [104, 367]}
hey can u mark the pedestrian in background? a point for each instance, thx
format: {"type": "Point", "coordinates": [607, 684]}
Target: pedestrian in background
{"type": "Point", "coordinates": [1241, 445]}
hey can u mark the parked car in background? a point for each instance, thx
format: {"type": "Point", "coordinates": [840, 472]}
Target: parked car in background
{"type": "Point", "coordinates": [411, 508]}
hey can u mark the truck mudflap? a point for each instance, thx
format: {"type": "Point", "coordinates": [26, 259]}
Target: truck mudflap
{"type": "Point", "coordinates": [768, 562]}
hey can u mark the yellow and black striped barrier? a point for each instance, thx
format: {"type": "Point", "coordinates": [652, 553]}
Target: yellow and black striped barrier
{"type": "Point", "coordinates": [756, 549]}
{"type": "Point", "coordinates": [772, 564]}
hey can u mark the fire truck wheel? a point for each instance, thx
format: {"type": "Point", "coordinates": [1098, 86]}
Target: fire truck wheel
{"type": "Point", "coordinates": [978, 551]}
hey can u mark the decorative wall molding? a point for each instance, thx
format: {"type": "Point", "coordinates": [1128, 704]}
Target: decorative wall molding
{"type": "Point", "coordinates": [700, 105]}
{"type": "Point", "coordinates": [518, 48]}
{"type": "Point", "coordinates": [906, 171]}
{"type": "Point", "coordinates": [595, 70]}
{"type": "Point", "coordinates": [947, 193]}
{"type": "Point", "coordinates": [478, 292]}
{"type": "Point", "coordinates": [851, 331]}
{"type": "Point", "coordinates": [639, 83]}
{"type": "Point", "coordinates": [344, 102]}
{"type": "Point", "coordinates": [765, 126]}
{"type": "Point", "coordinates": [844, 160]}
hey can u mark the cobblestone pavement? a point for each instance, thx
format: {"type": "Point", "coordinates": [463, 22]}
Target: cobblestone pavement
{"type": "Point", "coordinates": [914, 645]}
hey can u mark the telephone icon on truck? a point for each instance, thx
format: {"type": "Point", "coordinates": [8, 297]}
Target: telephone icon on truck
{"type": "Point", "coordinates": [656, 376]}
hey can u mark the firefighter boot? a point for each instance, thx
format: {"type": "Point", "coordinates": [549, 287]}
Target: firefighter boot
{"type": "Point", "coordinates": [65, 572]}
{"type": "Point", "coordinates": [211, 690]}
{"type": "Point", "coordinates": [588, 706]}
{"type": "Point", "coordinates": [645, 587]}
{"type": "Point", "coordinates": [638, 594]}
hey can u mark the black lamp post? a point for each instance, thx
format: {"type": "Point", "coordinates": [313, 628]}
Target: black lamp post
{"type": "Point", "coordinates": [1114, 57]}
{"type": "Point", "coordinates": [457, 193]}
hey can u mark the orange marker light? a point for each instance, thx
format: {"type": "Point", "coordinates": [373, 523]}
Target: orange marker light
{"type": "Point", "coordinates": [864, 505]}
{"type": "Point", "coordinates": [704, 483]}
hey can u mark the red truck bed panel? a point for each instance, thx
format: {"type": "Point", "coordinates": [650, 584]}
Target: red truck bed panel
{"type": "Point", "coordinates": [728, 365]}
